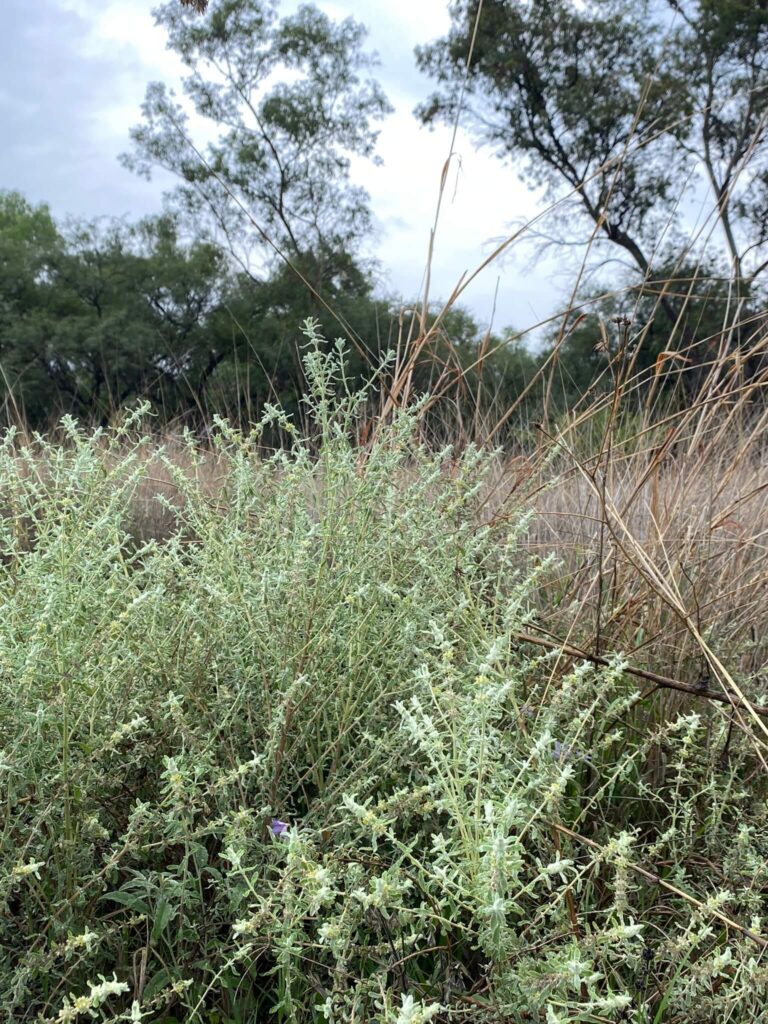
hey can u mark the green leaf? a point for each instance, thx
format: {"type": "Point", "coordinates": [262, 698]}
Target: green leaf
{"type": "Point", "coordinates": [163, 916]}
{"type": "Point", "coordinates": [128, 899]}
{"type": "Point", "coordinates": [157, 983]}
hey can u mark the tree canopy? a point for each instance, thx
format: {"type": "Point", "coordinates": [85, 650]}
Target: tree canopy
{"type": "Point", "coordinates": [623, 104]}
{"type": "Point", "coordinates": [95, 315]}
{"type": "Point", "coordinates": [290, 101]}
{"type": "Point", "coordinates": [623, 108]}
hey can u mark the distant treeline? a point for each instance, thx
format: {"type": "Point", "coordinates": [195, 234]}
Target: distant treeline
{"type": "Point", "coordinates": [94, 317]}
{"type": "Point", "coordinates": [618, 110]}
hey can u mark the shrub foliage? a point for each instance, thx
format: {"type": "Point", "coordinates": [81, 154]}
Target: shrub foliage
{"type": "Point", "coordinates": [294, 760]}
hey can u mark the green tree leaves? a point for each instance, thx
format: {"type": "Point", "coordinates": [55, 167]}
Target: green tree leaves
{"type": "Point", "coordinates": [291, 102]}
{"type": "Point", "coordinates": [617, 103]}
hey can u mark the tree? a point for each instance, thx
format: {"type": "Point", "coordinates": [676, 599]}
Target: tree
{"type": "Point", "coordinates": [720, 54]}
{"type": "Point", "coordinates": [97, 315]}
{"type": "Point", "coordinates": [29, 243]}
{"type": "Point", "coordinates": [589, 356]}
{"type": "Point", "coordinates": [617, 101]}
{"type": "Point", "coordinates": [289, 106]}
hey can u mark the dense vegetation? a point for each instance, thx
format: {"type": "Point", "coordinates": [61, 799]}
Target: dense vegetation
{"type": "Point", "coordinates": [618, 110]}
{"type": "Point", "coordinates": [298, 758]}
{"type": "Point", "coordinates": [416, 675]}
{"type": "Point", "coordinates": [95, 317]}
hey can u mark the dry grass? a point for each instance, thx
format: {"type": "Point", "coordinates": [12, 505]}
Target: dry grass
{"type": "Point", "coordinates": [649, 538]}
{"type": "Point", "coordinates": [658, 519]}
{"type": "Point", "coordinates": [699, 517]}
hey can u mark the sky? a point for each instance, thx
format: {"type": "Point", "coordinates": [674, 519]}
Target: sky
{"type": "Point", "coordinates": [72, 79]}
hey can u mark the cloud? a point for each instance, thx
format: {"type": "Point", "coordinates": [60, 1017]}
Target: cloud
{"type": "Point", "coordinates": [69, 95]}
{"type": "Point", "coordinates": [74, 75]}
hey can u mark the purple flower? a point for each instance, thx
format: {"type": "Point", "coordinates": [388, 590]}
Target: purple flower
{"type": "Point", "coordinates": [278, 828]}
{"type": "Point", "coordinates": [565, 752]}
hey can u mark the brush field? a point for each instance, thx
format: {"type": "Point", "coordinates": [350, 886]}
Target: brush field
{"type": "Point", "coordinates": [386, 732]}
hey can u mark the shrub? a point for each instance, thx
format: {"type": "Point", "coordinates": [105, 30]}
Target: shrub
{"type": "Point", "coordinates": [295, 760]}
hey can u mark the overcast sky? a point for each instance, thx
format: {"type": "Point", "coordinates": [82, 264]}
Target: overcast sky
{"type": "Point", "coordinates": [72, 78]}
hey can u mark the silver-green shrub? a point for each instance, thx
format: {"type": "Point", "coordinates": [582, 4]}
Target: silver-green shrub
{"type": "Point", "coordinates": [294, 761]}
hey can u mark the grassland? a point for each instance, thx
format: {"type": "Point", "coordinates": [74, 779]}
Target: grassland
{"type": "Point", "coordinates": [388, 731]}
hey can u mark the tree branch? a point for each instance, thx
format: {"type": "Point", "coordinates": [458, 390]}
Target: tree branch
{"type": "Point", "coordinates": [662, 681]}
